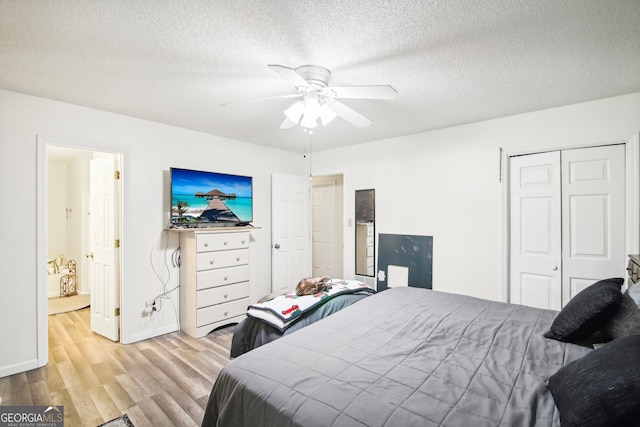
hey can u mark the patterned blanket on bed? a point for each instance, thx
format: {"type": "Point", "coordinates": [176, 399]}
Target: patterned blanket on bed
{"type": "Point", "coordinates": [282, 311]}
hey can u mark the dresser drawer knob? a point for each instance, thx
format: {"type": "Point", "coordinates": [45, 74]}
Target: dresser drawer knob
{"type": "Point", "coordinates": [206, 245]}
{"type": "Point", "coordinates": [211, 262]}
{"type": "Point", "coordinates": [226, 296]}
{"type": "Point", "coordinates": [238, 259]}
{"type": "Point", "coordinates": [243, 242]}
{"type": "Point", "coordinates": [225, 243]}
{"type": "Point", "coordinates": [226, 278]}
{"type": "Point", "coordinates": [226, 313]}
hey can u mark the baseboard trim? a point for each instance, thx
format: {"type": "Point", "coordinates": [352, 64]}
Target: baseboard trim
{"type": "Point", "coordinates": [17, 368]}
{"type": "Point", "coordinates": [150, 334]}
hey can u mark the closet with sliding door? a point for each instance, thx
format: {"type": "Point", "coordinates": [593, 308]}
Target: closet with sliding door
{"type": "Point", "coordinates": [566, 223]}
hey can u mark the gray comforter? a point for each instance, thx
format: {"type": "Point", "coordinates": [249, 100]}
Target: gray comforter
{"type": "Point", "coordinates": [402, 357]}
{"type": "Point", "coordinates": [252, 333]}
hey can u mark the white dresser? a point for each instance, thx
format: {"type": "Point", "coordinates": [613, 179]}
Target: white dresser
{"type": "Point", "coordinates": [214, 278]}
{"type": "Point", "coordinates": [365, 251]}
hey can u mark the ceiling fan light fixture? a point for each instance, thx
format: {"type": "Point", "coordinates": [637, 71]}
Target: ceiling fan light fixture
{"type": "Point", "coordinates": [294, 112]}
{"type": "Point", "coordinates": [309, 121]}
{"type": "Point", "coordinates": [312, 108]}
{"type": "Point", "coordinates": [326, 114]}
{"type": "Point", "coordinates": [286, 124]}
{"type": "Point", "coordinates": [321, 101]}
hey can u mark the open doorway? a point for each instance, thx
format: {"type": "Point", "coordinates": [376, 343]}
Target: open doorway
{"type": "Point", "coordinates": [327, 195]}
{"type": "Point", "coordinates": [67, 279]}
{"type": "Point", "coordinates": [78, 234]}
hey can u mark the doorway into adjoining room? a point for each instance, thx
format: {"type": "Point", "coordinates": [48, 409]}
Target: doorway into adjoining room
{"type": "Point", "coordinates": [80, 191]}
{"type": "Point", "coordinates": [327, 226]}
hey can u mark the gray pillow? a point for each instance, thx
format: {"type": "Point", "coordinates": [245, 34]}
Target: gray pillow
{"type": "Point", "coordinates": [626, 320]}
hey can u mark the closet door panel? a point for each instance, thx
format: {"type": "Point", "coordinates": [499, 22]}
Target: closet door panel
{"type": "Point", "coordinates": [589, 226]}
{"type": "Point", "coordinates": [593, 216]}
{"type": "Point", "coordinates": [535, 230]}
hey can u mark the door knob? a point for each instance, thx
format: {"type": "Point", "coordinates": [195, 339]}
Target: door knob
{"type": "Point", "coordinates": [89, 255]}
{"type": "Point", "coordinates": [277, 246]}
{"type": "Point", "coordinates": [554, 268]}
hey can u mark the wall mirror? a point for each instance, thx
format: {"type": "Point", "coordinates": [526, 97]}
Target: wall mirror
{"type": "Point", "coordinates": [365, 232]}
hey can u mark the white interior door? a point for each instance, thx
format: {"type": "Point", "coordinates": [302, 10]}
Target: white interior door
{"type": "Point", "coordinates": [325, 251]}
{"type": "Point", "coordinates": [103, 260]}
{"type": "Point", "coordinates": [535, 213]}
{"type": "Point", "coordinates": [593, 216]}
{"type": "Point", "coordinates": [290, 230]}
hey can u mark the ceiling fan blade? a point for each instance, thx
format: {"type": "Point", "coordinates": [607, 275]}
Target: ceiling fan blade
{"type": "Point", "coordinates": [290, 74]}
{"type": "Point", "coordinates": [361, 92]}
{"type": "Point", "coordinates": [295, 95]}
{"type": "Point", "coordinates": [350, 115]}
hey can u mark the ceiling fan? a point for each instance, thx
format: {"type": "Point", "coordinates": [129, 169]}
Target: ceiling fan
{"type": "Point", "coordinates": [319, 101]}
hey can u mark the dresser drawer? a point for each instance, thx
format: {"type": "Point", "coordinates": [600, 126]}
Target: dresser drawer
{"type": "Point", "coordinates": [221, 241]}
{"type": "Point", "coordinates": [369, 230]}
{"type": "Point", "coordinates": [222, 276]}
{"type": "Point", "coordinates": [222, 294]}
{"type": "Point", "coordinates": [221, 259]}
{"type": "Point", "coordinates": [220, 312]}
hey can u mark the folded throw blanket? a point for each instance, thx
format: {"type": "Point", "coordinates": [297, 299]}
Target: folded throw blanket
{"type": "Point", "coordinates": [282, 311]}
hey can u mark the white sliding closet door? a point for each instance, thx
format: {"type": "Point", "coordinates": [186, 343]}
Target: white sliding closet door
{"type": "Point", "coordinates": [567, 217]}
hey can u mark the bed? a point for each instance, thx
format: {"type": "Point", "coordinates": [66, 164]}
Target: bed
{"type": "Point", "coordinates": [417, 357]}
{"type": "Point", "coordinates": [254, 331]}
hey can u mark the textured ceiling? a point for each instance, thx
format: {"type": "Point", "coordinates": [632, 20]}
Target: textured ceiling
{"type": "Point", "coordinates": [452, 62]}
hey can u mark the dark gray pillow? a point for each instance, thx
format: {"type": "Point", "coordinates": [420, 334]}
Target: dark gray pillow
{"type": "Point", "coordinates": [626, 320]}
{"type": "Point", "coordinates": [601, 388]}
{"type": "Point", "coordinates": [587, 312]}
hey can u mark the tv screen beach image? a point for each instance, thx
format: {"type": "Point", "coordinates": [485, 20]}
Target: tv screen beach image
{"type": "Point", "coordinates": [210, 197]}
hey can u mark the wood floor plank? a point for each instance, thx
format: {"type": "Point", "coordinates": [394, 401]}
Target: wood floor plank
{"type": "Point", "coordinates": [193, 408]}
{"type": "Point", "coordinates": [40, 394]}
{"type": "Point", "coordinates": [52, 376]}
{"type": "Point", "coordinates": [137, 417]}
{"type": "Point", "coordinates": [160, 381]}
{"type": "Point", "coordinates": [175, 412]}
{"type": "Point", "coordinates": [133, 387]}
{"type": "Point", "coordinates": [106, 406]}
{"type": "Point", "coordinates": [119, 395]}
{"type": "Point", "coordinates": [153, 412]}
{"type": "Point", "coordinates": [58, 353]}
{"type": "Point", "coordinates": [179, 372]}
{"type": "Point", "coordinates": [87, 410]}
{"type": "Point", "coordinates": [20, 386]}
{"type": "Point", "coordinates": [106, 371]}
{"type": "Point", "coordinates": [62, 397]}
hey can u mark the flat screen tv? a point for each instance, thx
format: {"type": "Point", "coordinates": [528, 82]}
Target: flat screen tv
{"type": "Point", "coordinates": [210, 199]}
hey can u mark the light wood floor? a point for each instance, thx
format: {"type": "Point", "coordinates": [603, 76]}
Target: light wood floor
{"type": "Point", "coordinates": [163, 381]}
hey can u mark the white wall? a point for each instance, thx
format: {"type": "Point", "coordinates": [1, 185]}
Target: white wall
{"type": "Point", "coordinates": [149, 149]}
{"type": "Point", "coordinates": [445, 183]}
{"type": "Point", "coordinates": [56, 205]}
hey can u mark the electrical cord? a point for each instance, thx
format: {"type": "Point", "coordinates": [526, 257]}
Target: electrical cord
{"type": "Point", "coordinates": [175, 261]}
